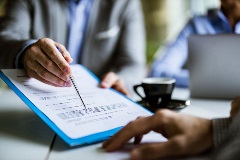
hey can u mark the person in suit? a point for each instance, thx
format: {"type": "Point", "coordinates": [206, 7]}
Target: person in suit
{"type": "Point", "coordinates": [187, 136]}
{"type": "Point", "coordinates": [106, 36]}
{"type": "Point", "coordinates": [173, 63]}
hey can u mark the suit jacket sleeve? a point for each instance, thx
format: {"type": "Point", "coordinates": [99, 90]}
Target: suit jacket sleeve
{"type": "Point", "coordinates": [220, 131]}
{"type": "Point", "coordinates": [229, 148]}
{"type": "Point", "coordinates": [132, 45]}
{"type": "Point", "coordinates": [14, 32]}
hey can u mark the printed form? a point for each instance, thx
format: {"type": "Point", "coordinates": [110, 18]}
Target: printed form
{"type": "Point", "coordinates": [103, 109]}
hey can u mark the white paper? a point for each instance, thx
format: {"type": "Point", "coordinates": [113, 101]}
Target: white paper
{"type": "Point", "coordinates": [106, 109]}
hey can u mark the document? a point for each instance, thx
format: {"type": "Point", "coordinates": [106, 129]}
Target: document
{"type": "Point", "coordinates": [94, 115]}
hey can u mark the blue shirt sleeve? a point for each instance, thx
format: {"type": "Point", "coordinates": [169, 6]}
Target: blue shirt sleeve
{"type": "Point", "coordinates": [17, 61]}
{"type": "Point", "coordinates": [173, 62]}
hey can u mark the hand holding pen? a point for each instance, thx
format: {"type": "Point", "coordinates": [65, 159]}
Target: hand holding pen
{"type": "Point", "coordinates": [42, 61]}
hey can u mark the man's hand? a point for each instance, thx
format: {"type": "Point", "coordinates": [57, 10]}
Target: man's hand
{"type": "Point", "coordinates": [111, 80]}
{"type": "Point", "coordinates": [43, 61]}
{"type": "Point", "coordinates": [187, 135]}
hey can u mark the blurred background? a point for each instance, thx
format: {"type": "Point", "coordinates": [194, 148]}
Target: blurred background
{"type": "Point", "coordinates": [163, 20]}
{"type": "Point", "coordinates": [1, 7]}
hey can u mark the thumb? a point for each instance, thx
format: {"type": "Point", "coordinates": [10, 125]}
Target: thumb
{"type": "Point", "coordinates": [109, 80]}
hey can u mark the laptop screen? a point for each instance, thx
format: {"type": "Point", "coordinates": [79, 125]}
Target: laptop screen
{"type": "Point", "coordinates": [214, 66]}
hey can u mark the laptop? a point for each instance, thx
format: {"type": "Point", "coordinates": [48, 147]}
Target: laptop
{"type": "Point", "coordinates": [214, 66]}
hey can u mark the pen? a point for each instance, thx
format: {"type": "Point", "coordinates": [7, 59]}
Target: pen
{"type": "Point", "coordinates": [75, 86]}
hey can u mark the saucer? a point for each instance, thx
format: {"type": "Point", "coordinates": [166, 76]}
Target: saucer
{"type": "Point", "coordinates": [174, 104]}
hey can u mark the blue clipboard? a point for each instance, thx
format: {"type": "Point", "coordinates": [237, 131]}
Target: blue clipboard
{"type": "Point", "coordinates": [89, 139]}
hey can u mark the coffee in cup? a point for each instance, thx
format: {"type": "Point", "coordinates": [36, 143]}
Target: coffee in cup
{"type": "Point", "coordinates": [158, 91]}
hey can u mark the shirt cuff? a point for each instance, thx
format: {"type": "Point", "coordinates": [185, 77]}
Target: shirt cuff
{"type": "Point", "coordinates": [220, 130]}
{"type": "Point", "coordinates": [17, 61]}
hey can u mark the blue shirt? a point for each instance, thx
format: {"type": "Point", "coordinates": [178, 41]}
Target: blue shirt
{"type": "Point", "coordinates": [173, 62]}
{"type": "Point", "coordinates": [78, 17]}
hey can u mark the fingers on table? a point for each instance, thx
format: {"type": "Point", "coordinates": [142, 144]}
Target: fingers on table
{"type": "Point", "coordinates": [109, 80]}
{"type": "Point", "coordinates": [135, 129]}
{"type": "Point", "coordinates": [172, 148]}
{"type": "Point", "coordinates": [112, 80]}
{"type": "Point", "coordinates": [119, 86]}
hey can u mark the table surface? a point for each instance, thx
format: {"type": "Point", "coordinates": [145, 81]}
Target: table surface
{"type": "Point", "coordinates": [24, 136]}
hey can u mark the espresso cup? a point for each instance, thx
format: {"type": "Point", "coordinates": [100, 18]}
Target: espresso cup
{"type": "Point", "coordinates": [158, 91]}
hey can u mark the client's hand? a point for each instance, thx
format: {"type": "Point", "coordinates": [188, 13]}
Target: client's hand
{"type": "Point", "coordinates": [43, 61]}
{"type": "Point", "coordinates": [111, 80]}
{"type": "Point", "coordinates": [187, 135]}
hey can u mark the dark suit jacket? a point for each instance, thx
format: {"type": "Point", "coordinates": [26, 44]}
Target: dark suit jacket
{"type": "Point", "coordinates": [114, 40]}
{"type": "Point", "coordinates": [229, 136]}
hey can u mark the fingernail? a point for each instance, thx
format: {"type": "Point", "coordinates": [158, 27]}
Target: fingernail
{"type": "Point", "coordinates": [68, 84]}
